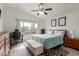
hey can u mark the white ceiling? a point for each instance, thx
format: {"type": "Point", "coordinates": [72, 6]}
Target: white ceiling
{"type": "Point", "coordinates": [58, 8]}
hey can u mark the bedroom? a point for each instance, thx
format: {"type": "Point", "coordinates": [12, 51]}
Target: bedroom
{"type": "Point", "coordinates": [62, 17]}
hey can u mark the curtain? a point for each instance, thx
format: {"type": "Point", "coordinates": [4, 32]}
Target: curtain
{"type": "Point", "coordinates": [17, 24]}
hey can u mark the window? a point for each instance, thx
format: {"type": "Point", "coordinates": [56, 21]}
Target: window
{"type": "Point", "coordinates": [28, 27]}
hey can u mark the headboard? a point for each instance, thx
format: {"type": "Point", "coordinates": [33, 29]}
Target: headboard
{"type": "Point", "coordinates": [65, 35]}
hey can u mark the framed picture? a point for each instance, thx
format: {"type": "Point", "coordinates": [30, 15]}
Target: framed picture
{"type": "Point", "coordinates": [53, 22]}
{"type": "Point", "coordinates": [62, 21]}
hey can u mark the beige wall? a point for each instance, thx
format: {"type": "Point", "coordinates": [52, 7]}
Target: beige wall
{"type": "Point", "coordinates": [72, 23]}
{"type": "Point", "coordinates": [1, 19]}
{"type": "Point", "coordinates": [10, 15]}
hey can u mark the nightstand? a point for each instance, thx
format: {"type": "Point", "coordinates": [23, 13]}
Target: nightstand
{"type": "Point", "coordinates": [72, 42]}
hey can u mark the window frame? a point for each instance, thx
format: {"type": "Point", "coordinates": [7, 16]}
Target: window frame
{"type": "Point", "coordinates": [32, 26]}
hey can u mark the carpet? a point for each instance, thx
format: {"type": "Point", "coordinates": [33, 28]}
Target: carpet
{"type": "Point", "coordinates": [54, 52]}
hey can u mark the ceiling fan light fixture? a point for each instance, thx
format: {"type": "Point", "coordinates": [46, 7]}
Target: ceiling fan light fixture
{"type": "Point", "coordinates": [41, 12]}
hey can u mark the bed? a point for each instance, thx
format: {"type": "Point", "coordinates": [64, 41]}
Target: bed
{"type": "Point", "coordinates": [49, 40]}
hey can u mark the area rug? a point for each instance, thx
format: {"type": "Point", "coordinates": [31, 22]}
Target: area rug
{"type": "Point", "coordinates": [54, 52]}
{"type": "Point", "coordinates": [58, 52]}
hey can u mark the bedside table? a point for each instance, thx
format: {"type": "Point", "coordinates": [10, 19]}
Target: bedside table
{"type": "Point", "coordinates": [72, 42]}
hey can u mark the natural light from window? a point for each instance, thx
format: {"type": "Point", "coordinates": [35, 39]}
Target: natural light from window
{"type": "Point", "coordinates": [28, 27]}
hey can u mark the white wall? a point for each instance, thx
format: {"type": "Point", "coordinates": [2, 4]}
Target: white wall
{"type": "Point", "coordinates": [1, 19]}
{"type": "Point", "coordinates": [10, 15]}
{"type": "Point", "coordinates": [72, 20]}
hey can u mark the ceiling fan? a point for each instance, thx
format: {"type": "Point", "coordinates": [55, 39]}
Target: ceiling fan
{"type": "Point", "coordinates": [42, 10]}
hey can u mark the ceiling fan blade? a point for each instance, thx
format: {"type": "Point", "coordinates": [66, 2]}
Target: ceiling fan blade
{"type": "Point", "coordinates": [34, 10]}
{"type": "Point", "coordinates": [45, 13]}
{"type": "Point", "coordinates": [48, 9]}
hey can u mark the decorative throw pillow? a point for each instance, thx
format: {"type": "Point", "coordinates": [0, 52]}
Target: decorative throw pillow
{"type": "Point", "coordinates": [60, 32]}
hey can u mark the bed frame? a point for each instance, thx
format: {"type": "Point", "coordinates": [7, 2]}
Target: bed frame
{"type": "Point", "coordinates": [47, 52]}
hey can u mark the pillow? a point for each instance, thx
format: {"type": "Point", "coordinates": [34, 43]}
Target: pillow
{"type": "Point", "coordinates": [50, 32]}
{"type": "Point", "coordinates": [60, 32]}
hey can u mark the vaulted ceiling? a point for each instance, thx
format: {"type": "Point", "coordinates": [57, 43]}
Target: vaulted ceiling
{"type": "Point", "coordinates": [58, 8]}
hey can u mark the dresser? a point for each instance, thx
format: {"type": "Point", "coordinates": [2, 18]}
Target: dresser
{"type": "Point", "coordinates": [4, 44]}
{"type": "Point", "coordinates": [72, 42]}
